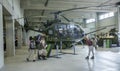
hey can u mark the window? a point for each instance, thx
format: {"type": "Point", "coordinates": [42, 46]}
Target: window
{"type": "Point", "coordinates": [90, 20]}
{"type": "Point", "coordinates": [107, 15]}
{"type": "Point", "coordinates": [111, 14]}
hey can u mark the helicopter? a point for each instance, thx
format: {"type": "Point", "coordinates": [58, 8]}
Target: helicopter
{"type": "Point", "coordinates": [57, 13]}
{"type": "Point", "coordinates": [66, 32]}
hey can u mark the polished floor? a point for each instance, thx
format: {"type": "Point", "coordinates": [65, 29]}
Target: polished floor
{"type": "Point", "coordinates": [105, 60]}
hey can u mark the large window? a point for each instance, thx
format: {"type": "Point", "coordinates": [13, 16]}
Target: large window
{"type": "Point", "coordinates": [107, 15]}
{"type": "Point", "coordinates": [90, 20]}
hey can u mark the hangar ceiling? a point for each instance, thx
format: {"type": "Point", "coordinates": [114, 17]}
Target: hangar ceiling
{"type": "Point", "coordinates": [39, 10]}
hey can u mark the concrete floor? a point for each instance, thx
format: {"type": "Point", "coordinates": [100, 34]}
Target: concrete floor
{"type": "Point", "coordinates": [105, 60]}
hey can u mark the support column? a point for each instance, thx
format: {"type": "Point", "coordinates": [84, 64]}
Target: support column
{"type": "Point", "coordinates": [84, 23]}
{"type": "Point", "coordinates": [24, 37]}
{"type": "Point", "coordinates": [1, 38]}
{"type": "Point", "coordinates": [119, 19]}
{"type": "Point", "coordinates": [19, 36]}
{"type": "Point", "coordinates": [97, 25]}
{"type": "Point", "coordinates": [10, 37]}
{"type": "Point", "coordinates": [118, 26]}
{"type": "Point", "coordinates": [116, 20]}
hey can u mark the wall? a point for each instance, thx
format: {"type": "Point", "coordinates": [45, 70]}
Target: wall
{"type": "Point", "coordinates": [15, 11]}
{"type": "Point", "coordinates": [103, 23]}
{"type": "Point", "coordinates": [1, 38]}
{"type": "Point", "coordinates": [13, 7]}
{"type": "Point", "coordinates": [106, 22]}
{"type": "Point", "coordinates": [90, 26]}
{"type": "Point", "coordinates": [18, 12]}
{"type": "Point", "coordinates": [33, 33]}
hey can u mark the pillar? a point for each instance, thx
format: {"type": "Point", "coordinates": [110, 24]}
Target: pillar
{"type": "Point", "coordinates": [116, 20]}
{"type": "Point", "coordinates": [84, 23]}
{"type": "Point", "coordinates": [118, 16]}
{"type": "Point", "coordinates": [19, 36]}
{"type": "Point", "coordinates": [10, 37]}
{"type": "Point", "coordinates": [119, 20]}
{"type": "Point", "coordinates": [1, 38]}
{"type": "Point", "coordinates": [24, 37]}
{"type": "Point", "coordinates": [97, 25]}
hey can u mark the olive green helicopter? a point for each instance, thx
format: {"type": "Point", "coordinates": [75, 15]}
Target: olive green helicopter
{"type": "Point", "coordinates": [68, 33]}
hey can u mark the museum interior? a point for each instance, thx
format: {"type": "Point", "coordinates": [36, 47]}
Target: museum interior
{"type": "Point", "coordinates": [60, 35]}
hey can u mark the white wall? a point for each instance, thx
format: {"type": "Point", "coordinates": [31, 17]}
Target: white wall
{"type": "Point", "coordinates": [13, 7]}
{"type": "Point", "coordinates": [18, 12]}
{"type": "Point", "coordinates": [1, 38]}
{"type": "Point", "coordinates": [90, 26]}
{"type": "Point", "coordinates": [103, 23]}
{"type": "Point", "coordinates": [106, 22]}
{"type": "Point", "coordinates": [33, 33]}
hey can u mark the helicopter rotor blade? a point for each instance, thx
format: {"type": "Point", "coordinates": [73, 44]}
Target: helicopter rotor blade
{"type": "Point", "coordinates": [78, 40]}
{"type": "Point", "coordinates": [100, 29]}
{"type": "Point", "coordinates": [65, 18]}
{"type": "Point", "coordinates": [31, 17]}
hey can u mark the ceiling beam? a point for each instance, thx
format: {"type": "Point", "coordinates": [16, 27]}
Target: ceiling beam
{"type": "Point", "coordinates": [61, 18]}
{"type": "Point", "coordinates": [36, 21]}
{"type": "Point", "coordinates": [75, 2]}
{"type": "Point", "coordinates": [38, 16]}
{"type": "Point", "coordinates": [46, 3]}
{"type": "Point", "coordinates": [65, 8]}
{"type": "Point", "coordinates": [72, 4]}
{"type": "Point", "coordinates": [28, 3]}
{"type": "Point", "coordinates": [43, 11]}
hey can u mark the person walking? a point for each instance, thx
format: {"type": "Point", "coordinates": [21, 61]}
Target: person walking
{"type": "Point", "coordinates": [94, 43]}
{"type": "Point", "coordinates": [32, 53]}
{"type": "Point", "coordinates": [90, 47]}
{"type": "Point", "coordinates": [43, 51]}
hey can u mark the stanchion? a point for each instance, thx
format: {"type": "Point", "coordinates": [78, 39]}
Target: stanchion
{"type": "Point", "coordinates": [57, 48]}
{"type": "Point", "coordinates": [74, 49]}
{"type": "Point", "coordinates": [60, 46]}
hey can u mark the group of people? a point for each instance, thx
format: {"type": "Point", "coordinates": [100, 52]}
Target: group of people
{"type": "Point", "coordinates": [37, 48]}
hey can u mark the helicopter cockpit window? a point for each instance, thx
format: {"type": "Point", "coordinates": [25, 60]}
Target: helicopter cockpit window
{"type": "Point", "coordinates": [71, 26]}
{"type": "Point", "coordinates": [66, 31]}
{"type": "Point", "coordinates": [60, 30]}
